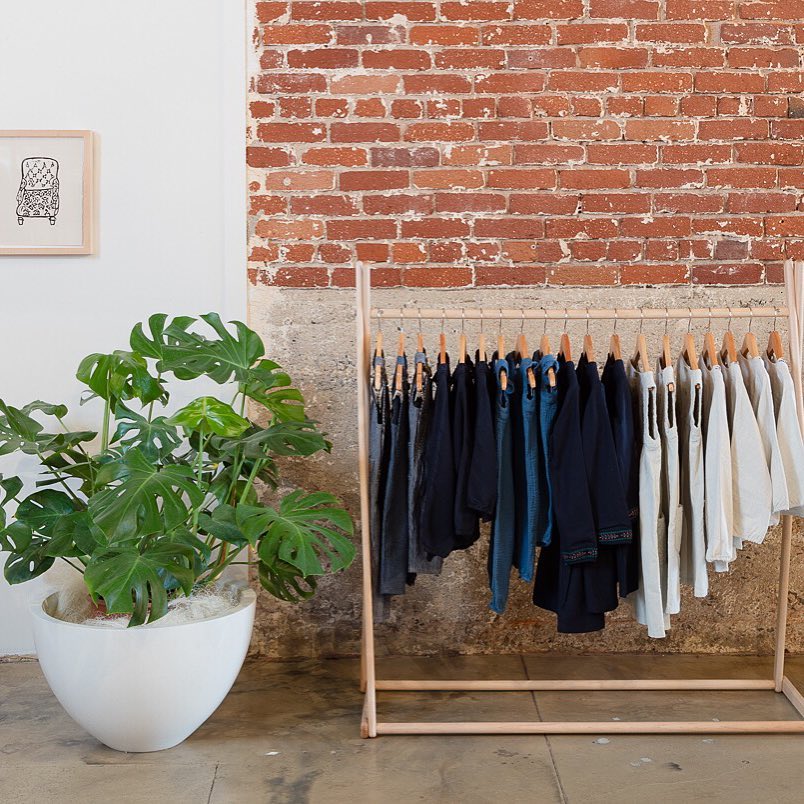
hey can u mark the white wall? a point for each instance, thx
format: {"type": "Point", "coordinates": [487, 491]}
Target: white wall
{"type": "Point", "coordinates": [162, 83]}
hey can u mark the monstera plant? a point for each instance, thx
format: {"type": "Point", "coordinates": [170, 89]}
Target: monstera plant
{"type": "Point", "coordinates": [160, 502]}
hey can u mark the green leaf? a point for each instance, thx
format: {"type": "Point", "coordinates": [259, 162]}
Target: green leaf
{"type": "Point", "coordinates": [75, 535]}
{"type": "Point", "coordinates": [49, 409]}
{"type": "Point", "coordinates": [299, 439]}
{"type": "Point", "coordinates": [19, 432]}
{"type": "Point", "coordinates": [156, 438]}
{"type": "Point", "coordinates": [234, 354]}
{"type": "Point", "coordinates": [43, 509]}
{"type": "Point", "coordinates": [11, 486]}
{"type": "Point", "coordinates": [307, 528]}
{"type": "Point", "coordinates": [29, 563]}
{"type": "Point", "coordinates": [268, 385]}
{"type": "Point", "coordinates": [209, 415]}
{"type": "Point", "coordinates": [16, 538]}
{"type": "Point", "coordinates": [148, 499]}
{"type": "Point", "coordinates": [120, 376]}
{"type": "Point", "coordinates": [222, 524]}
{"type": "Point", "coordinates": [130, 581]}
{"type": "Point", "coordinates": [285, 582]}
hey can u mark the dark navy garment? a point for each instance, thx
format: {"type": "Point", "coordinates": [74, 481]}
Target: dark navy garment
{"type": "Point", "coordinates": [531, 449]}
{"type": "Point", "coordinates": [619, 405]}
{"type": "Point", "coordinates": [437, 507]}
{"type": "Point", "coordinates": [609, 507]}
{"type": "Point", "coordinates": [420, 411]}
{"type": "Point", "coordinates": [481, 491]}
{"type": "Point", "coordinates": [560, 583]}
{"type": "Point", "coordinates": [517, 453]}
{"type": "Point", "coordinates": [548, 408]}
{"type": "Point", "coordinates": [467, 527]}
{"type": "Point", "coordinates": [503, 530]}
{"type": "Point", "coordinates": [394, 543]}
{"type": "Point", "coordinates": [379, 418]}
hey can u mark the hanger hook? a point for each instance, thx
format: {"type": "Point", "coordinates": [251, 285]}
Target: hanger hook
{"type": "Point", "coordinates": [641, 318]}
{"type": "Point", "coordinates": [587, 320]}
{"type": "Point", "coordinates": [750, 319]}
{"type": "Point", "coordinates": [443, 316]}
{"type": "Point", "coordinates": [522, 320]}
{"type": "Point", "coordinates": [775, 314]}
{"type": "Point", "coordinates": [731, 316]}
{"type": "Point", "coordinates": [379, 320]}
{"type": "Point", "coordinates": [616, 318]}
{"type": "Point", "coordinates": [689, 319]}
{"type": "Point", "coordinates": [463, 320]}
{"type": "Point", "coordinates": [666, 319]}
{"type": "Point", "coordinates": [566, 318]}
{"type": "Point", "coordinates": [544, 319]}
{"type": "Point", "coordinates": [500, 320]}
{"type": "Point", "coordinates": [709, 324]}
{"type": "Point", "coordinates": [402, 320]}
{"type": "Point", "coordinates": [419, 311]}
{"type": "Point", "coordinates": [481, 320]}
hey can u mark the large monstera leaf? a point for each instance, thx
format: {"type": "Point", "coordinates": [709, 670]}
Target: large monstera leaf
{"type": "Point", "coordinates": [298, 439]}
{"type": "Point", "coordinates": [147, 499]}
{"type": "Point", "coordinates": [155, 438]}
{"type": "Point", "coordinates": [270, 386]}
{"type": "Point", "coordinates": [207, 415]}
{"type": "Point", "coordinates": [307, 529]}
{"type": "Point", "coordinates": [120, 376]}
{"type": "Point", "coordinates": [135, 582]}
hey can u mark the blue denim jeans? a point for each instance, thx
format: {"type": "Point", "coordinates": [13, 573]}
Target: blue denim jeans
{"type": "Point", "coordinates": [503, 531]}
{"type": "Point", "coordinates": [531, 464]}
{"type": "Point", "coordinates": [548, 407]}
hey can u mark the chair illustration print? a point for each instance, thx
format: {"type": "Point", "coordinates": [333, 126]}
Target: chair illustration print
{"type": "Point", "coordinates": [38, 195]}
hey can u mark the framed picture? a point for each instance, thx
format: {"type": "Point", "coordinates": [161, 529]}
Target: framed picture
{"type": "Point", "coordinates": [46, 188]}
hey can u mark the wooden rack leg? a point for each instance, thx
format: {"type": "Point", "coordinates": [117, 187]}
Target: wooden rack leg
{"type": "Point", "coordinates": [367, 665]}
{"type": "Point", "coordinates": [781, 602]}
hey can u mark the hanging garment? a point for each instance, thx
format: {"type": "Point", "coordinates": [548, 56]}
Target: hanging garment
{"type": "Point", "coordinates": [503, 529]}
{"type": "Point", "coordinates": [648, 599]}
{"type": "Point", "coordinates": [379, 416]}
{"type": "Point", "coordinates": [481, 491]}
{"type": "Point", "coordinates": [526, 558]}
{"type": "Point", "coordinates": [548, 408]}
{"type": "Point", "coordinates": [517, 454]}
{"type": "Point", "coordinates": [466, 526]}
{"type": "Point", "coordinates": [670, 488]}
{"type": "Point", "coordinates": [560, 583]}
{"type": "Point", "coordinates": [420, 411]}
{"type": "Point", "coordinates": [394, 545]}
{"type": "Point", "coordinates": [620, 408]}
{"type": "Point", "coordinates": [718, 515]}
{"type": "Point", "coordinates": [758, 386]}
{"type": "Point", "coordinates": [609, 508]}
{"type": "Point", "coordinates": [751, 493]}
{"type": "Point", "coordinates": [437, 506]}
{"type": "Point", "coordinates": [788, 432]}
{"type": "Point", "coordinates": [689, 406]}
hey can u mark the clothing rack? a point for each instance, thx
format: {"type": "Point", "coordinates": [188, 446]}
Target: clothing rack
{"type": "Point", "coordinates": [371, 685]}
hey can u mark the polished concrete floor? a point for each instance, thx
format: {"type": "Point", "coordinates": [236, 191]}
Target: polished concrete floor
{"type": "Point", "coordinates": [288, 733]}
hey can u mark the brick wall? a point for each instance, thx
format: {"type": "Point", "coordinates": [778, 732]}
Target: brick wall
{"type": "Point", "coordinates": [584, 142]}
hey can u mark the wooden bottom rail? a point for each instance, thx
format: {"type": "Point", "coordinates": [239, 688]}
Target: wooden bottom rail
{"type": "Point", "coordinates": [599, 727]}
{"type": "Point", "coordinates": [569, 685]}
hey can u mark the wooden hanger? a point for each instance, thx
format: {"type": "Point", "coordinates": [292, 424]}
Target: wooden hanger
{"type": "Point", "coordinates": [564, 345]}
{"type": "Point", "coordinates": [615, 348]}
{"type": "Point", "coordinates": [709, 353]}
{"type": "Point", "coordinates": [378, 366]}
{"type": "Point", "coordinates": [400, 352]}
{"type": "Point", "coordinates": [728, 349]}
{"type": "Point", "coordinates": [640, 356]}
{"type": "Point", "coordinates": [481, 341]}
{"type": "Point", "coordinates": [775, 350]}
{"type": "Point", "coordinates": [588, 346]}
{"type": "Point", "coordinates": [419, 366]}
{"type": "Point", "coordinates": [544, 345]}
{"type": "Point", "coordinates": [750, 347]}
{"type": "Point", "coordinates": [521, 342]}
{"type": "Point", "coordinates": [666, 358]}
{"type": "Point", "coordinates": [442, 341]}
{"type": "Point", "coordinates": [690, 352]}
{"type": "Point", "coordinates": [501, 356]}
{"type": "Point", "coordinates": [544, 349]}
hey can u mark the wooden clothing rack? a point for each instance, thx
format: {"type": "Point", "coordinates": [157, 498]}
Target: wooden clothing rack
{"type": "Point", "coordinates": [371, 685]}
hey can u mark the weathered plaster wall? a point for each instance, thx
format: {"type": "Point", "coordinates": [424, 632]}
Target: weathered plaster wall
{"type": "Point", "coordinates": [311, 332]}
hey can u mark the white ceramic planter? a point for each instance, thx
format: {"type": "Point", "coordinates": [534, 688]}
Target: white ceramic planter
{"type": "Point", "coordinates": [146, 688]}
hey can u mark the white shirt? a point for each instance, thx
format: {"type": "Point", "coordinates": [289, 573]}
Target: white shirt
{"type": "Point", "coordinates": [758, 385]}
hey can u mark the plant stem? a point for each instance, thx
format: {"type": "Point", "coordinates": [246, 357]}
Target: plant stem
{"type": "Point", "coordinates": [77, 569]}
{"type": "Point", "coordinates": [258, 464]}
{"type": "Point", "coordinates": [199, 478]}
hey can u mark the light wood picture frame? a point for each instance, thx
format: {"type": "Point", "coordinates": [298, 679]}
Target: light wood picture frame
{"type": "Point", "coordinates": [46, 192]}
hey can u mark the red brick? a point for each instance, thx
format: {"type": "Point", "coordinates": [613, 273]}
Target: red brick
{"type": "Point", "coordinates": [444, 35]}
{"type": "Point", "coordinates": [373, 229]}
{"type": "Point", "coordinates": [579, 179]}
{"type": "Point", "coordinates": [514, 106]}
{"type": "Point", "coordinates": [267, 157]}
{"type": "Point", "coordinates": [770, 106]}
{"type": "Point", "coordinates": [478, 155]}
{"type": "Point", "coordinates": [756, 33]}
{"type": "Point", "coordinates": [323, 58]}
{"type": "Point", "coordinates": [268, 12]}
{"type": "Point", "coordinates": [788, 129]}
{"type": "Point", "coordinates": [507, 131]}
{"type": "Point", "coordinates": [763, 57]}
{"type": "Point", "coordinates": [701, 57]}
{"type": "Point", "coordinates": [741, 177]}
{"type": "Point", "coordinates": [738, 128]}
{"type": "Point", "coordinates": [548, 9]}
{"type": "Point", "coordinates": [262, 109]}
{"type": "Point", "coordinates": [435, 227]}
{"type": "Point", "coordinates": [334, 253]}
{"type": "Point", "coordinates": [634, 202]}
{"type": "Point", "coordinates": [448, 179]}
{"type": "Point", "coordinates": [582, 275]}
{"type": "Point", "coordinates": [270, 59]}
{"type": "Point", "coordinates": [731, 249]}
{"type": "Point", "coordinates": [289, 180]}
{"type": "Point", "coordinates": [769, 153]}
{"type": "Point", "coordinates": [543, 203]}
{"type": "Point", "coordinates": [500, 275]}
{"type": "Point", "coordinates": [398, 204]}
{"type": "Point", "coordinates": [439, 132]}
{"type": "Point", "coordinates": [659, 130]}
{"type": "Point", "coordinates": [296, 107]}
{"type": "Point", "coordinates": [670, 177]}
{"type": "Point", "coordinates": [699, 9]}
{"type": "Point", "coordinates": [622, 154]}
{"type": "Point", "coordinates": [699, 106]}
{"type": "Point", "coordinates": [761, 202]}
{"type": "Point", "coordinates": [507, 83]}
{"type": "Point", "coordinates": [688, 202]}
{"type": "Point", "coordinates": [653, 274]}
{"type": "Point", "coordinates": [266, 205]}
{"type": "Point", "coordinates": [773, 10]}
{"type": "Point", "coordinates": [348, 157]}
{"type": "Point", "coordinates": [786, 82]}
{"type": "Point", "coordinates": [292, 277]}
{"type": "Point", "coordinates": [373, 179]}
{"type": "Point", "coordinates": [364, 132]}
{"type": "Point", "coordinates": [515, 35]}
{"type": "Point", "coordinates": [619, 57]}
{"type": "Point", "coordinates": [658, 226]}
{"type": "Point", "coordinates": [681, 33]}
{"type": "Point", "coordinates": [409, 252]}
{"type": "Point", "coordinates": [509, 227]}
{"type": "Point", "coordinates": [365, 85]}
{"type": "Point", "coordinates": [297, 35]}
{"type": "Point", "coordinates": [695, 154]}
{"type": "Point", "coordinates": [436, 84]}
{"type": "Point", "coordinates": [542, 58]}
{"type": "Point", "coordinates": [396, 58]}
{"type": "Point", "coordinates": [289, 229]}
{"type": "Point", "coordinates": [406, 109]}
{"type": "Point", "coordinates": [291, 132]}
{"type": "Point", "coordinates": [482, 108]}
{"type": "Point", "coordinates": [467, 58]}
{"type": "Point", "coordinates": [661, 106]}
{"type": "Point", "coordinates": [644, 81]}
{"type": "Point", "coordinates": [590, 33]}
{"type": "Point", "coordinates": [475, 10]}
{"type": "Point", "coordinates": [414, 12]}
{"type": "Point", "coordinates": [624, 105]}
{"type": "Point", "coordinates": [530, 251]}
{"type": "Point", "coordinates": [785, 225]}
{"type": "Point", "coordinates": [443, 251]}
{"type": "Point", "coordinates": [577, 227]}
{"type": "Point", "coordinates": [437, 277]}
{"type": "Point", "coordinates": [512, 179]}
{"type": "Point", "coordinates": [548, 154]}
{"type": "Point", "coordinates": [585, 130]}
{"type": "Point", "coordinates": [369, 35]}
{"type": "Point", "coordinates": [589, 250]}
{"type": "Point", "coordinates": [326, 10]}
{"type": "Point", "coordinates": [729, 274]}
{"type": "Point", "coordinates": [624, 9]}
{"type": "Point", "coordinates": [470, 202]}
{"type": "Point", "coordinates": [404, 157]}
{"type": "Point", "coordinates": [582, 81]}
{"type": "Point", "coordinates": [715, 81]}
{"type": "Point", "coordinates": [369, 107]}
{"type": "Point", "coordinates": [334, 205]}
{"type": "Point", "coordinates": [291, 83]}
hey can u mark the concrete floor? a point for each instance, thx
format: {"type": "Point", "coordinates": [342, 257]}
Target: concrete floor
{"type": "Point", "coordinates": [288, 733]}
